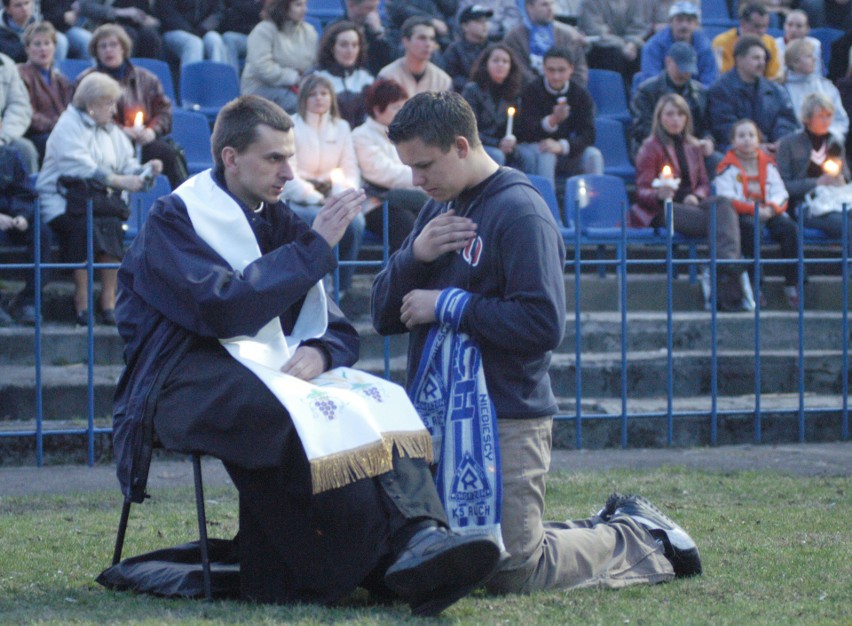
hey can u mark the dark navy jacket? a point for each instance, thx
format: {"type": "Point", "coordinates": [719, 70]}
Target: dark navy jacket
{"type": "Point", "coordinates": [513, 268]}
{"type": "Point", "coordinates": [174, 289]}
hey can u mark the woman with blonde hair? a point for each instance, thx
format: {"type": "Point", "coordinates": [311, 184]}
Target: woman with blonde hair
{"type": "Point", "coordinates": [279, 51]}
{"type": "Point", "coordinates": [672, 144]}
{"type": "Point", "coordinates": [324, 163]}
{"type": "Point", "coordinates": [86, 144]}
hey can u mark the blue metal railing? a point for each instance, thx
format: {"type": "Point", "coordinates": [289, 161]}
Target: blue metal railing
{"type": "Point", "coordinates": [577, 263]}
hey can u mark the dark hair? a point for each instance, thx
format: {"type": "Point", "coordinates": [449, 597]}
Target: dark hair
{"type": "Point", "coordinates": [746, 43]}
{"type": "Point", "coordinates": [558, 52]}
{"type": "Point", "coordinates": [237, 122]}
{"type": "Point", "coordinates": [414, 21]}
{"type": "Point", "coordinates": [278, 12]}
{"type": "Point", "coordinates": [752, 8]}
{"type": "Point", "coordinates": [325, 50]}
{"type": "Point", "coordinates": [436, 118]}
{"type": "Point", "coordinates": [511, 87]}
{"type": "Point", "coordinates": [381, 94]}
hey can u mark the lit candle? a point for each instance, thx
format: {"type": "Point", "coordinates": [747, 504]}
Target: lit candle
{"type": "Point", "coordinates": [510, 124]}
{"type": "Point", "coordinates": [337, 179]}
{"type": "Point", "coordinates": [138, 126]}
{"type": "Point", "coordinates": [831, 167]}
{"type": "Point", "coordinates": [666, 174]}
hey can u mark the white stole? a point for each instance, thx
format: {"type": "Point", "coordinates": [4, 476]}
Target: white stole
{"type": "Point", "coordinates": [348, 421]}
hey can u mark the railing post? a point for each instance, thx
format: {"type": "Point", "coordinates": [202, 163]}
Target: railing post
{"type": "Point", "coordinates": [714, 353]}
{"type": "Point", "coordinates": [669, 215]}
{"type": "Point", "coordinates": [758, 234]}
{"type": "Point", "coordinates": [90, 350]}
{"type": "Point", "coordinates": [578, 371]}
{"type": "Point", "coordinates": [800, 264]}
{"type": "Point", "coordinates": [39, 399]}
{"type": "Point", "coordinates": [844, 232]}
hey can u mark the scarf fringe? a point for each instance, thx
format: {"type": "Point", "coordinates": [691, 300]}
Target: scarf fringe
{"type": "Point", "coordinates": [343, 468]}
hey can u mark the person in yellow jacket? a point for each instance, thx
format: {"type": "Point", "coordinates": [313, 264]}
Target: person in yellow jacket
{"type": "Point", "coordinates": [754, 20]}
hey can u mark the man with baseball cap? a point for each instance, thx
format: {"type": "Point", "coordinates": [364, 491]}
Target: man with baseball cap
{"type": "Point", "coordinates": [683, 27]}
{"type": "Point", "coordinates": [681, 64]}
{"type": "Point", "coordinates": [460, 55]}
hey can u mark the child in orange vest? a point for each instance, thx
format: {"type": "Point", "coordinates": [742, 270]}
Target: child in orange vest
{"type": "Point", "coordinates": [748, 175]}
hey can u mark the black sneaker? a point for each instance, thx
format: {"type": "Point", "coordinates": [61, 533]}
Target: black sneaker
{"type": "Point", "coordinates": [678, 546]}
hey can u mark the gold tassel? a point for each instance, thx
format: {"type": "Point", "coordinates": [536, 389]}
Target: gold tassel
{"type": "Point", "coordinates": [417, 445]}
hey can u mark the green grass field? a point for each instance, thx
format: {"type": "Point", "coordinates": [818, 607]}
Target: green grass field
{"type": "Point", "coordinates": [776, 550]}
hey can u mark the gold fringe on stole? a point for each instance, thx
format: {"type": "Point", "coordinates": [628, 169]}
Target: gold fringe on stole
{"type": "Point", "coordinates": [338, 470]}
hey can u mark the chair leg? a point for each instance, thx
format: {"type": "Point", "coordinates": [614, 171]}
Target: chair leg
{"type": "Point", "coordinates": [202, 526]}
{"type": "Point", "coordinates": [122, 529]}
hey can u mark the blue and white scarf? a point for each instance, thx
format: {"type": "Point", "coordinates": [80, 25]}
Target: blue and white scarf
{"type": "Point", "coordinates": [451, 397]}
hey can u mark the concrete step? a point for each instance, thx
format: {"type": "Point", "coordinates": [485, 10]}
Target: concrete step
{"type": "Point", "coordinates": [65, 441]}
{"type": "Point", "coordinates": [600, 331]}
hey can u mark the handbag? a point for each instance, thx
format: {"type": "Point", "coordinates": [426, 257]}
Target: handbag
{"type": "Point", "coordinates": [824, 199]}
{"type": "Point", "coordinates": [106, 202]}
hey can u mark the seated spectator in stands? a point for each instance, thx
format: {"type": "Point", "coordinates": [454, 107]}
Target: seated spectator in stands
{"type": "Point", "coordinates": [441, 13]}
{"type": "Point", "coordinates": [86, 144]}
{"type": "Point", "coordinates": [748, 176]}
{"type": "Point", "coordinates": [802, 79]}
{"type": "Point", "coordinates": [754, 20]}
{"type": "Point", "coordinates": [682, 27]}
{"type": "Point", "coordinates": [680, 66]}
{"type": "Point", "coordinates": [142, 92]}
{"type": "Point", "coordinates": [495, 86]}
{"type": "Point", "coordinates": [189, 30]}
{"type": "Point", "coordinates": [341, 56]}
{"type": "Point", "coordinates": [796, 27]}
{"type": "Point", "coordinates": [49, 90]}
{"type": "Point", "coordinates": [529, 43]}
{"type": "Point", "coordinates": [325, 163]}
{"type": "Point", "coordinates": [380, 49]}
{"type": "Point", "coordinates": [240, 17]}
{"type": "Point", "coordinates": [279, 51]}
{"type": "Point", "coordinates": [386, 177]}
{"type": "Point", "coordinates": [617, 29]}
{"type": "Point", "coordinates": [15, 16]}
{"type": "Point", "coordinates": [744, 93]}
{"type": "Point", "coordinates": [657, 13]}
{"type": "Point", "coordinates": [671, 143]}
{"type": "Point", "coordinates": [16, 113]}
{"type": "Point", "coordinates": [17, 212]}
{"type": "Point", "coordinates": [802, 160]}
{"type": "Point", "coordinates": [67, 17]}
{"type": "Point", "coordinates": [414, 71]}
{"type": "Point", "coordinates": [507, 15]}
{"type": "Point", "coordinates": [556, 123]}
{"type": "Point", "coordinates": [459, 57]}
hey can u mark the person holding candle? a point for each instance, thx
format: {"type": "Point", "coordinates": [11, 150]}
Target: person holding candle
{"type": "Point", "coordinates": [748, 176]}
{"type": "Point", "coordinates": [325, 163]}
{"type": "Point", "coordinates": [672, 145]}
{"type": "Point", "coordinates": [87, 144]}
{"type": "Point", "coordinates": [494, 94]}
{"type": "Point", "coordinates": [142, 92]}
{"type": "Point", "coordinates": [814, 158]}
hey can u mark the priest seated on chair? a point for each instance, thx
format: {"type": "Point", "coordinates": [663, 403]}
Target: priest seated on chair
{"type": "Point", "coordinates": [234, 349]}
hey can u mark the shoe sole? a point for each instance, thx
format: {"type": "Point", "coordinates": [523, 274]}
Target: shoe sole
{"type": "Point", "coordinates": [444, 597]}
{"type": "Point", "coordinates": [466, 566]}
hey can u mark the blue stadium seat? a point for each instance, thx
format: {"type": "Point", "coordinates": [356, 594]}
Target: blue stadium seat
{"type": "Point", "coordinates": [140, 204]}
{"type": "Point", "coordinates": [548, 193]}
{"type": "Point", "coordinates": [326, 10]}
{"type": "Point", "coordinates": [611, 141]}
{"type": "Point", "coordinates": [192, 131]}
{"type": "Point", "coordinates": [206, 86]}
{"type": "Point", "coordinates": [72, 68]}
{"type": "Point", "coordinates": [714, 10]}
{"type": "Point", "coordinates": [826, 37]}
{"type": "Point", "coordinates": [161, 70]}
{"type": "Point", "coordinates": [607, 89]}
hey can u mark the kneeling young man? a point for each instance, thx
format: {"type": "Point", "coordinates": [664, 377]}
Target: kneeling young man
{"type": "Point", "coordinates": [224, 317]}
{"type": "Point", "coordinates": [482, 270]}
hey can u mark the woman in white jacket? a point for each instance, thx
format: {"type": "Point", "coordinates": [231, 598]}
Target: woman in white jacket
{"type": "Point", "coordinates": [802, 78]}
{"type": "Point", "coordinates": [386, 177]}
{"type": "Point", "coordinates": [324, 163]}
{"type": "Point", "coordinates": [279, 51]}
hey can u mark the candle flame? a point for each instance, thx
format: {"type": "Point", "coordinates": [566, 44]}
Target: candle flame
{"type": "Point", "coordinates": [510, 111]}
{"type": "Point", "coordinates": [336, 176]}
{"type": "Point", "coordinates": [667, 172]}
{"type": "Point", "coordinates": [139, 119]}
{"type": "Point", "coordinates": [831, 167]}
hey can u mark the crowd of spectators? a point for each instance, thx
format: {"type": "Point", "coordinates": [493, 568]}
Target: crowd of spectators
{"type": "Point", "coordinates": [523, 65]}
